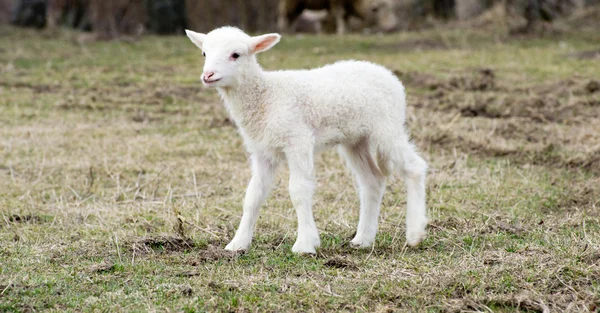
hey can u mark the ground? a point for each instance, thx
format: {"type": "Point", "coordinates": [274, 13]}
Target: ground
{"type": "Point", "coordinates": [122, 178]}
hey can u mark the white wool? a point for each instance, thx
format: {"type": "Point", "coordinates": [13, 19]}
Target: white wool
{"type": "Point", "coordinates": [291, 115]}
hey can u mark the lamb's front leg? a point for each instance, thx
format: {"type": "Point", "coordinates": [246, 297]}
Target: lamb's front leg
{"type": "Point", "coordinates": [263, 171]}
{"type": "Point", "coordinates": [300, 161]}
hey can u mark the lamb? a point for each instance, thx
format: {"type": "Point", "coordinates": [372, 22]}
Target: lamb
{"type": "Point", "coordinates": [291, 115]}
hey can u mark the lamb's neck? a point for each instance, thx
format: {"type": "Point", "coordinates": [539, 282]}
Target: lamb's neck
{"type": "Point", "coordinates": [245, 102]}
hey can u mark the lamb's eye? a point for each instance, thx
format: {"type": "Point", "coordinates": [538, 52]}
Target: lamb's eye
{"type": "Point", "coordinates": [235, 56]}
{"type": "Point", "coordinates": [204, 54]}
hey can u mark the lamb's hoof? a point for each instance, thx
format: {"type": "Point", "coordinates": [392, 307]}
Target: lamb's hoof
{"type": "Point", "coordinates": [306, 246]}
{"type": "Point", "coordinates": [415, 236]}
{"type": "Point", "coordinates": [361, 243]}
{"type": "Point", "coordinates": [237, 245]}
{"type": "Point", "coordinates": [415, 231]}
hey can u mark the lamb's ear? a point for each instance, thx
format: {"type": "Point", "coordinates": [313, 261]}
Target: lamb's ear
{"type": "Point", "coordinates": [196, 38]}
{"type": "Point", "coordinates": [263, 42]}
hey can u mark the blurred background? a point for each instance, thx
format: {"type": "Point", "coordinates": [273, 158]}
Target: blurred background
{"type": "Point", "coordinates": [122, 178]}
{"type": "Point", "coordinates": [108, 19]}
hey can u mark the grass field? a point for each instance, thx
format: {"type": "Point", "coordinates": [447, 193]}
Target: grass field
{"type": "Point", "coordinates": [121, 180]}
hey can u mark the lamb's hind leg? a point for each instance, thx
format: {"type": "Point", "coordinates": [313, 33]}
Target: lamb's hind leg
{"type": "Point", "coordinates": [371, 186]}
{"type": "Point", "coordinates": [414, 169]}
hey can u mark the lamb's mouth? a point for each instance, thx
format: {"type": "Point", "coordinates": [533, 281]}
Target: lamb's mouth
{"type": "Point", "coordinates": [208, 82]}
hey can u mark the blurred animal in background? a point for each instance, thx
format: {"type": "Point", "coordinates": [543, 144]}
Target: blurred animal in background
{"type": "Point", "coordinates": [310, 22]}
{"type": "Point", "coordinates": [125, 18]}
{"type": "Point", "coordinates": [29, 13]}
{"type": "Point", "coordinates": [380, 14]}
{"type": "Point", "coordinates": [71, 13]}
{"type": "Point", "coordinates": [372, 12]}
{"type": "Point", "coordinates": [538, 12]}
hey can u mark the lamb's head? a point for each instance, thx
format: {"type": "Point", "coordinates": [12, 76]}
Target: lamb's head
{"type": "Point", "coordinates": [230, 54]}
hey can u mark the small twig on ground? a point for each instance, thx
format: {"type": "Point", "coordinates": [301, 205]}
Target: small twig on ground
{"type": "Point", "coordinates": [6, 288]}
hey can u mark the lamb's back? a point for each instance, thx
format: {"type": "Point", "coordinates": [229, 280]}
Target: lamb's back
{"type": "Point", "coordinates": [350, 88]}
{"type": "Point", "coordinates": [340, 102]}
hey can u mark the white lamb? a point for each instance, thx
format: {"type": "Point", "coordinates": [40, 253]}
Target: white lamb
{"type": "Point", "coordinates": [291, 115]}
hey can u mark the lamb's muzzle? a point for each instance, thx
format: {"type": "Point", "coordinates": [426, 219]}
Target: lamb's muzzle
{"type": "Point", "coordinates": [288, 116]}
{"type": "Point", "coordinates": [206, 78]}
{"type": "Point", "coordinates": [208, 75]}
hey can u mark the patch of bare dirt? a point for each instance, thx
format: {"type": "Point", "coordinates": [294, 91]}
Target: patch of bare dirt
{"type": "Point", "coordinates": [417, 79]}
{"type": "Point", "coordinates": [592, 86]}
{"type": "Point", "coordinates": [162, 244]}
{"type": "Point", "coordinates": [480, 95]}
{"type": "Point", "coordinates": [518, 130]}
{"type": "Point", "coordinates": [495, 225]}
{"type": "Point", "coordinates": [589, 161]}
{"type": "Point", "coordinates": [477, 80]}
{"type": "Point", "coordinates": [551, 124]}
{"type": "Point", "coordinates": [211, 254]}
{"type": "Point", "coordinates": [537, 108]}
{"type": "Point", "coordinates": [451, 223]}
{"type": "Point", "coordinates": [480, 80]}
{"type": "Point", "coordinates": [338, 262]}
{"type": "Point", "coordinates": [571, 86]}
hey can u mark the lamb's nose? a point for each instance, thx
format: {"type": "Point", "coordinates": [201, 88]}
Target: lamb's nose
{"type": "Point", "coordinates": [208, 75]}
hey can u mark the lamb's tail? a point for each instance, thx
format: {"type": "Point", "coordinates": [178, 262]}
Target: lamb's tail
{"type": "Point", "coordinates": [398, 154]}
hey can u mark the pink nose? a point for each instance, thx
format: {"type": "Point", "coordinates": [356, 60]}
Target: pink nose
{"type": "Point", "coordinates": [208, 75]}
